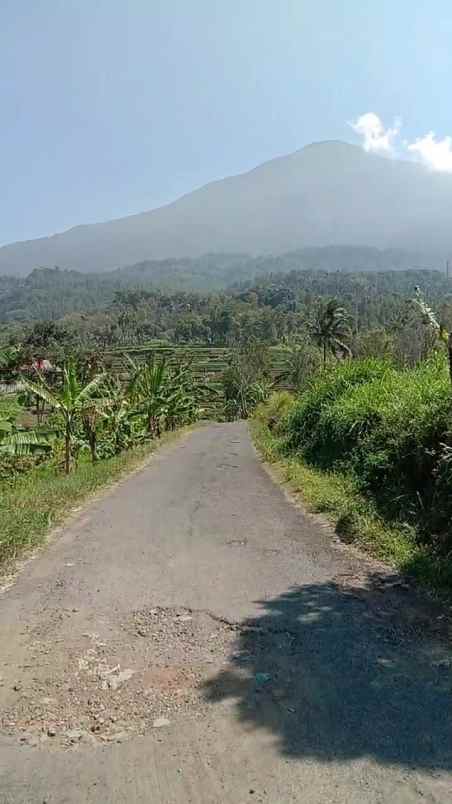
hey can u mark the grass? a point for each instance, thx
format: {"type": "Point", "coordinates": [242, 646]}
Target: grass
{"type": "Point", "coordinates": [9, 405]}
{"type": "Point", "coordinates": [354, 516]}
{"type": "Point", "coordinates": [42, 498]}
{"type": "Point", "coordinates": [389, 427]}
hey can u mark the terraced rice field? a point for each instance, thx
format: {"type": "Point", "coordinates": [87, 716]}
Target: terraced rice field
{"type": "Point", "coordinates": [208, 364]}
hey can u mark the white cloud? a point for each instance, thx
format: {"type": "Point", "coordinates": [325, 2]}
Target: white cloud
{"type": "Point", "coordinates": [436, 154]}
{"type": "Point", "coordinates": [376, 138]}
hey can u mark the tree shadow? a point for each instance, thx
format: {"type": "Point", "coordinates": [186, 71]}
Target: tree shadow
{"type": "Point", "coordinates": [336, 672]}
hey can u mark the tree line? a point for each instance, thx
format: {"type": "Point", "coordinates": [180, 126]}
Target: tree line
{"type": "Point", "coordinates": [271, 309]}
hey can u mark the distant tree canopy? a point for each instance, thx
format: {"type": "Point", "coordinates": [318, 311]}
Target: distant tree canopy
{"type": "Point", "coordinates": [56, 311]}
{"type": "Point", "coordinates": [51, 293]}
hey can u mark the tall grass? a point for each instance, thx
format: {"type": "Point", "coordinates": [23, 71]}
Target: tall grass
{"type": "Point", "coordinates": [336, 495]}
{"type": "Point", "coordinates": [389, 431]}
{"type": "Point", "coordinates": [387, 434]}
{"type": "Point", "coordinates": [323, 389]}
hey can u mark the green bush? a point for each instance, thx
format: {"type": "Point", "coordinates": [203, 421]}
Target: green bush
{"type": "Point", "coordinates": [391, 429]}
{"type": "Point", "coordinates": [9, 407]}
{"type": "Point", "coordinates": [370, 446]}
{"type": "Point", "coordinates": [275, 409]}
{"type": "Point", "coordinates": [246, 380]}
{"type": "Point", "coordinates": [327, 386]}
{"type": "Point", "coordinates": [14, 466]}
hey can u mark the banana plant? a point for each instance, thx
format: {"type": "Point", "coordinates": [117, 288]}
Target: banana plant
{"type": "Point", "coordinates": [117, 415]}
{"type": "Point", "coordinates": [15, 441]}
{"type": "Point", "coordinates": [91, 413]}
{"type": "Point", "coordinates": [10, 357]}
{"type": "Point", "coordinates": [184, 395]}
{"type": "Point", "coordinates": [147, 390]}
{"type": "Point", "coordinates": [430, 320]}
{"type": "Point", "coordinates": [164, 394]}
{"type": "Point", "coordinates": [71, 402]}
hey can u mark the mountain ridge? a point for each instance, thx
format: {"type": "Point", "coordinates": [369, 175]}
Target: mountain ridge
{"type": "Point", "coordinates": [326, 193]}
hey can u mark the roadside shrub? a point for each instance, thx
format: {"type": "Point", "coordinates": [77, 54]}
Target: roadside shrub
{"type": "Point", "coordinates": [370, 445]}
{"type": "Point", "coordinates": [14, 466]}
{"type": "Point", "coordinates": [392, 429]}
{"type": "Point", "coordinates": [275, 410]}
{"type": "Point", "coordinates": [373, 343]}
{"type": "Point", "coordinates": [348, 526]}
{"type": "Point", "coordinates": [302, 359]}
{"type": "Point", "coordinates": [246, 381]}
{"type": "Point", "coordinates": [327, 386]}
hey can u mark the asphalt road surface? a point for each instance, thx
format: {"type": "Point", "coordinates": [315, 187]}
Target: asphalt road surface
{"type": "Point", "coordinates": [193, 637]}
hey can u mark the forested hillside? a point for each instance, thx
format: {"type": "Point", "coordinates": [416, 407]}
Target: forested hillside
{"type": "Point", "coordinates": [50, 294]}
{"type": "Point", "coordinates": [53, 312]}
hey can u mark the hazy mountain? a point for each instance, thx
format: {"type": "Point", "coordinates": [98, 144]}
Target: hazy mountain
{"type": "Point", "coordinates": [326, 193]}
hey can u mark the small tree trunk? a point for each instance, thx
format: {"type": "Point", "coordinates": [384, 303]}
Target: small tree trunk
{"type": "Point", "coordinates": [93, 445]}
{"type": "Point", "coordinates": [67, 451]}
{"type": "Point", "coordinates": [243, 404]}
{"type": "Point", "coordinates": [449, 351]}
{"type": "Point", "coordinates": [39, 411]}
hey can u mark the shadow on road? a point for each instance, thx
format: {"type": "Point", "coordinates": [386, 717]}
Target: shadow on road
{"type": "Point", "coordinates": [334, 673]}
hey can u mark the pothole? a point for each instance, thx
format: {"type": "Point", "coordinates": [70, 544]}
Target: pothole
{"type": "Point", "coordinates": [106, 690]}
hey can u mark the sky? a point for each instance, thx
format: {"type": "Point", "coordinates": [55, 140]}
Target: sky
{"type": "Point", "coordinates": [110, 107]}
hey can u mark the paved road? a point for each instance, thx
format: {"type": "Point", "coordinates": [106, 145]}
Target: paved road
{"type": "Point", "coordinates": [194, 637]}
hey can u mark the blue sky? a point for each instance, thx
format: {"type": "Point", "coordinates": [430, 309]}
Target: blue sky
{"type": "Point", "coordinates": [112, 107]}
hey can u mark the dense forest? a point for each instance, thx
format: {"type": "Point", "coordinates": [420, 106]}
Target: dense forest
{"type": "Point", "coordinates": [51, 293]}
{"type": "Point", "coordinates": [54, 312]}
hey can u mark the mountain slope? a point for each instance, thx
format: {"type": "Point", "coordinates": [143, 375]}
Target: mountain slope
{"type": "Point", "coordinates": [326, 193]}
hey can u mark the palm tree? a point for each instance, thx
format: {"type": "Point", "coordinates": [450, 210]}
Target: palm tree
{"type": "Point", "coordinates": [330, 329]}
{"type": "Point", "coordinates": [72, 401]}
{"type": "Point", "coordinates": [11, 358]}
